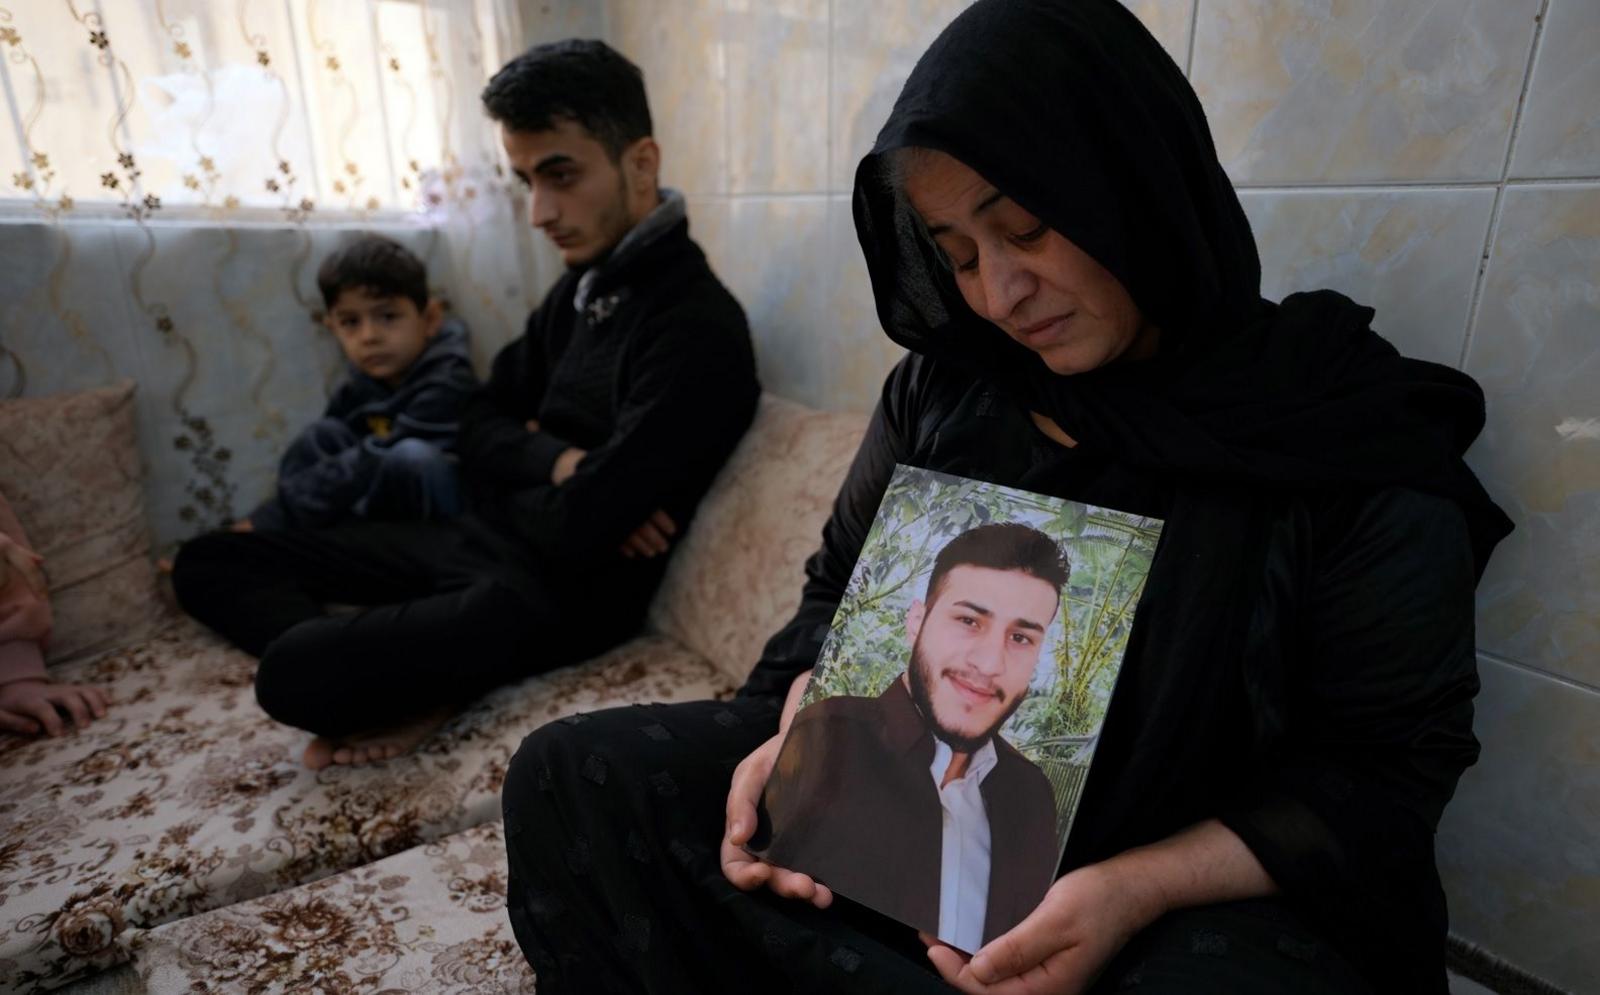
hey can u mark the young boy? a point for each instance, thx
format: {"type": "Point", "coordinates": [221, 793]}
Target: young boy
{"type": "Point", "coordinates": [383, 449]}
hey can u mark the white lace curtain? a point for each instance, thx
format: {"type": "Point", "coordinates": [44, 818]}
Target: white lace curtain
{"type": "Point", "coordinates": [249, 108]}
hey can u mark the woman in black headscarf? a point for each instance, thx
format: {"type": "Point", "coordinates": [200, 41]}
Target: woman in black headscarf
{"type": "Point", "coordinates": [1049, 232]}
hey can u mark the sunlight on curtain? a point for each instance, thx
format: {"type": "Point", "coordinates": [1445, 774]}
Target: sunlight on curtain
{"type": "Point", "coordinates": [172, 172]}
{"type": "Point", "coordinates": [250, 106]}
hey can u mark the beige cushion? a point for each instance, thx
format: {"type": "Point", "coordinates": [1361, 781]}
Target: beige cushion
{"type": "Point", "coordinates": [70, 466]}
{"type": "Point", "coordinates": [738, 576]}
{"type": "Point", "coordinates": [187, 797]}
{"type": "Point", "coordinates": [431, 919]}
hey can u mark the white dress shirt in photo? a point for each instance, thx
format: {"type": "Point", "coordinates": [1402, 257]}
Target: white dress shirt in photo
{"type": "Point", "coordinates": [964, 869]}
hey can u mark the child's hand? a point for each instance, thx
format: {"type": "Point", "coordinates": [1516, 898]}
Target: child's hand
{"type": "Point", "coordinates": [28, 706]}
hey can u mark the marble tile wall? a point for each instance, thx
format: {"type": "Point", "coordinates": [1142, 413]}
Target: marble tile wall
{"type": "Point", "coordinates": [1440, 162]}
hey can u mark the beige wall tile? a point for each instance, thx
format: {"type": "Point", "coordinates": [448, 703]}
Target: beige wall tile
{"type": "Point", "coordinates": [774, 265]}
{"type": "Point", "coordinates": [1361, 89]}
{"type": "Point", "coordinates": [799, 277]}
{"type": "Point", "coordinates": [850, 318]}
{"type": "Point", "coordinates": [1517, 847]}
{"type": "Point", "coordinates": [874, 47]}
{"type": "Point", "coordinates": [553, 20]}
{"type": "Point", "coordinates": [684, 58]}
{"type": "Point", "coordinates": [1536, 350]}
{"type": "Point", "coordinates": [1560, 130]}
{"type": "Point", "coordinates": [709, 226]}
{"type": "Point", "coordinates": [1411, 255]}
{"type": "Point", "coordinates": [777, 95]}
{"type": "Point", "coordinates": [1169, 21]}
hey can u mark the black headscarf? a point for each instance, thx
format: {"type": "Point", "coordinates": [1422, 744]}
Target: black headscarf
{"type": "Point", "coordinates": [1074, 111]}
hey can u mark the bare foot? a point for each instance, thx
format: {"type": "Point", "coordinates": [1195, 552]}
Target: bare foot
{"type": "Point", "coordinates": [371, 747]}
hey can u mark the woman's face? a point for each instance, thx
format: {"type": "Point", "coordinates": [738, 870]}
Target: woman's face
{"type": "Point", "coordinates": [1021, 275]}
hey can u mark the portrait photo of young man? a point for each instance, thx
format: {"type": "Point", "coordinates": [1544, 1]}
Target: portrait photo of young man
{"type": "Point", "coordinates": [911, 802]}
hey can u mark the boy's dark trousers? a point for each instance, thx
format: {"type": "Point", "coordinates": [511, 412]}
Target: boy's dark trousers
{"type": "Point", "coordinates": [446, 611]}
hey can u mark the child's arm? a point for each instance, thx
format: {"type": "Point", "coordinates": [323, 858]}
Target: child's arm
{"type": "Point", "coordinates": [29, 700]}
{"type": "Point", "coordinates": [330, 467]}
{"type": "Point", "coordinates": [322, 475]}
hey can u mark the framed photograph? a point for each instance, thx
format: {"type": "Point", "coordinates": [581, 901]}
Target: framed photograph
{"type": "Point", "coordinates": [935, 764]}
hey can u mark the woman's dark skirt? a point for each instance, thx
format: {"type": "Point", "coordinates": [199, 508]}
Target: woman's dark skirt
{"type": "Point", "coordinates": [613, 822]}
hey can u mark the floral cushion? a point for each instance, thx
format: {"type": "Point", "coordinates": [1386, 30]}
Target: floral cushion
{"type": "Point", "coordinates": [738, 576]}
{"type": "Point", "coordinates": [431, 919]}
{"type": "Point", "coordinates": [70, 466]}
{"type": "Point", "coordinates": [187, 797]}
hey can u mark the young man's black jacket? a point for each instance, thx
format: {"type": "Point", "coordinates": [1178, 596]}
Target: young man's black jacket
{"type": "Point", "coordinates": [655, 379]}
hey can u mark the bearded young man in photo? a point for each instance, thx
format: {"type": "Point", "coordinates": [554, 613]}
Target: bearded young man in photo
{"type": "Point", "coordinates": [912, 803]}
{"type": "Point", "coordinates": [582, 457]}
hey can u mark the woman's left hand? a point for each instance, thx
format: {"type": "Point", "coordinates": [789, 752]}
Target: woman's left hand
{"type": "Point", "coordinates": [1061, 947]}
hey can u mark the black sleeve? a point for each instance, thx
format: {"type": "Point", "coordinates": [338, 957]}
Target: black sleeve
{"type": "Point", "coordinates": [1380, 726]}
{"type": "Point", "coordinates": [495, 443]}
{"type": "Point", "coordinates": [432, 415]}
{"type": "Point", "coordinates": [317, 494]}
{"type": "Point", "coordinates": [890, 439]}
{"type": "Point", "coordinates": [691, 393]}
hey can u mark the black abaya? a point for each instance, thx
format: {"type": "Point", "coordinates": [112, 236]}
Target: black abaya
{"type": "Point", "coordinates": [1302, 664]}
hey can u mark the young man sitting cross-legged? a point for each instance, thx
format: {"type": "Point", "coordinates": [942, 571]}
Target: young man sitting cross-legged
{"type": "Point", "coordinates": [587, 451]}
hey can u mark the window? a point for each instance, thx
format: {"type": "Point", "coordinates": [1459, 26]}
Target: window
{"type": "Point", "coordinates": [256, 108]}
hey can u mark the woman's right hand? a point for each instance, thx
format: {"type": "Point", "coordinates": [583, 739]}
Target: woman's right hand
{"type": "Point", "coordinates": [747, 872]}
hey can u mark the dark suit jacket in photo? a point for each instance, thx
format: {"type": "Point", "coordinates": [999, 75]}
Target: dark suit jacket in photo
{"type": "Point", "coordinates": [852, 803]}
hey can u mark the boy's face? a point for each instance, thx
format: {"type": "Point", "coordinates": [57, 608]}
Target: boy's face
{"type": "Point", "coordinates": [581, 199]}
{"type": "Point", "coordinates": [382, 336]}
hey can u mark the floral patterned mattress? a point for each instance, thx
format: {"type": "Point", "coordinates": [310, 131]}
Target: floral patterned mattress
{"type": "Point", "coordinates": [431, 919]}
{"type": "Point", "coordinates": [187, 797]}
{"type": "Point", "coordinates": [144, 833]}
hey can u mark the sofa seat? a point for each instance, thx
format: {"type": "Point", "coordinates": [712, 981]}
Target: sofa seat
{"type": "Point", "coordinates": [431, 919]}
{"type": "Point", "coordinates": [187, 798]}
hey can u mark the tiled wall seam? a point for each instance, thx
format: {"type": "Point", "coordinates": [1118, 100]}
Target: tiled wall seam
{"type": "Point", "coordinates": [1194, 28]}
{"type": "Point", "coordinates": [1533, 670]}
{"type": "Point", "coordinates": [1500, 188]}
{"type": "Point", "coordinates": [829, 148]}
{"type": "Point", "coordinates": [723, 69]}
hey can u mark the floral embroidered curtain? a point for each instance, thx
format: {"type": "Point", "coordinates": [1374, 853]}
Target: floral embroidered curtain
{"type": "Point", "coordinates": [249, 107]}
